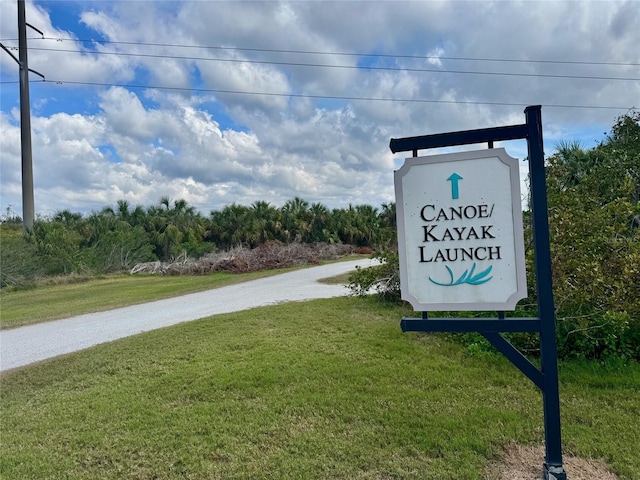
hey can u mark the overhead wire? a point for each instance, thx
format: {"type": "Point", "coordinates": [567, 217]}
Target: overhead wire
{"type": "Point", "coordinates": [327, 97]}
{"type": "Point", "coordinates": [330, 97]}
{"type": "Point", "coordinates": [354, 67]}
{"type": "Point", "coordinates": [353, 54]}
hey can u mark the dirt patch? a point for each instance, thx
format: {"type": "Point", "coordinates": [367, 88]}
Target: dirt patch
{"type": "Point", "coordinates": [520, 462]}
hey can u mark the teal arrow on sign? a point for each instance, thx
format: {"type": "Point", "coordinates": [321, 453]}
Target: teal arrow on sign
{"type": "Point", "coordinates": [454, 178]}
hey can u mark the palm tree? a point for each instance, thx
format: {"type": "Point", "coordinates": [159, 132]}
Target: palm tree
{"type": "Point", "coordinates": [266, 221]}
{"type": "Point", "coordinates": [233, 226]}
{"type": "Point", "coordinates": [577, 162]}
{"type": "Point", "coordinates": [122, 212]}
{"type": "Point", "coordinates": [388, 215]}
{"type": "Point", "coordinates": [295, 219]}
{"type": "Point", "coordinates": [318, 231]}
{"type": "Point", "coordinates": [347, 225]}
{"type": "Point", "coordinates": [67, 217]}
{"type": "Point", "coordinates": [387, 229]}
{"type": "Point", "coordinates": [172, 227]}
{"type": "Point", "coordinates": [367, 223]}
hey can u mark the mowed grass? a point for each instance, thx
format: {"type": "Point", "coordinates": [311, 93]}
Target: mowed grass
{"type": "Point", "coordinates": [328, 389]}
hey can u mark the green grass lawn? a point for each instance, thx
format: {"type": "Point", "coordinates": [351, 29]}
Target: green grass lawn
{"type": "Point", "coordinates": [328, 389]}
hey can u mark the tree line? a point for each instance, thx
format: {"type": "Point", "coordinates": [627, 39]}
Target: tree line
{"type": "Point", "coordinates": [117, 237]}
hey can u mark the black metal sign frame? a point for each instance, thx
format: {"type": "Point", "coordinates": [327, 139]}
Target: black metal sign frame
{"type": "Point", "coordinates": [545, 378]}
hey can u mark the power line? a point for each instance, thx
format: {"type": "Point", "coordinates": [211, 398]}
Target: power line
{"type": "Point", "coordinates": [353, 67]}
{"type": "Point", "coordinates": [332, 97]}
{"type": "Point", "coordinates": [350, 54]}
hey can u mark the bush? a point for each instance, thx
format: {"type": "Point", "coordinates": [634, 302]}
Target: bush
{"type": "Point", "coordinates": [57, 247]}
{"type": "Point", "coordinates": [19, 262]}
{"type": "Point", "coordinates": [612, 335]}
{"type": "Point", "coordinates": [120, 250]}
{"type": "Point", "coordinates": [383, 279]}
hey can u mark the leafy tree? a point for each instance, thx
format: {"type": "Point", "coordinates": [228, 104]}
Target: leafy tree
{"type": "Point", "coordinates": [114, 239]}
{"type": "Point", "coordinates": [595, 241]}
{"type": "Point", "coordinates": [10, 218]}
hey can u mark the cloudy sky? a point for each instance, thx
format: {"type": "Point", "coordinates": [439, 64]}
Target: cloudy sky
{"type": "Point", "coordinates": [219, 102]}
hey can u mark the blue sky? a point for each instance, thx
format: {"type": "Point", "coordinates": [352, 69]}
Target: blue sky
{"type": "Point", "coordinates": [219, 102]}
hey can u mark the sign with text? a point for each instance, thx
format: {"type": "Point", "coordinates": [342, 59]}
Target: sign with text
{"type": "Point", "coordinates": [460, 237]}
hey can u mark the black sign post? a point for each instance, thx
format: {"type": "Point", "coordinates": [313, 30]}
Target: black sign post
{"type": "Point", "coordinates": [545, 378]}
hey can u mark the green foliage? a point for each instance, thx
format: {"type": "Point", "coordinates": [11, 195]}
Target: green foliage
{"type": "Point", "coordinates": [120, 249]}
{"type": "Point", "coordinates": [58, 247]}
{"type": "Point", "coordinates": [117, 237]}
{"type": "Point", "coordinates": [612, 335]}
{"type": "Point", "coordinates": [297, 221]}
{"type": "Point", "coordinates": [382, 279]}
{"type": "Point", "coordinates": [19, 262]}
{"type": "Point", "coordinates": [173, 228]}
{"type": "Point", "coordinates": [595, 244]}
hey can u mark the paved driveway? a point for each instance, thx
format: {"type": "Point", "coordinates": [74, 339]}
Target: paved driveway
{"type": "Point", "coordinates": [33, 343]}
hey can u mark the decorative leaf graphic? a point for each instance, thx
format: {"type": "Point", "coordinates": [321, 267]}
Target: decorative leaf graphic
{"type": "Point", "coordinates": [479, 278]}
{"type": "Point", "coordinates": [467, 277]}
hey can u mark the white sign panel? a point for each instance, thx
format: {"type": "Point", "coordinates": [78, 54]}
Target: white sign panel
{"type": "Point", "coordinates": [460, 237]}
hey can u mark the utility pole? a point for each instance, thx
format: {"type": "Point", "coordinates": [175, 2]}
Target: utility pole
{"type": "Point", "coordinates": [28, 209]}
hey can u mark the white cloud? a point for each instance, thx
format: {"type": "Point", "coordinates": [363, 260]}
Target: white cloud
{"type": "Point", "coordinates": [95, 145]}
{"type": "Point", "coordinates": [59, 57]}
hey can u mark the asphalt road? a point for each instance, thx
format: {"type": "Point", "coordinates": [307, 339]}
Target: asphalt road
{"type": "Point", "coordinates": [33, 343]}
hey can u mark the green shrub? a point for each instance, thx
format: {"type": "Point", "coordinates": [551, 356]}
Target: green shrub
{"type": "Point", "coordinates": [120, 249]}
{"type": "Point", "coordinates": [612, 335]}
{"type": "Point", "coordinates": [382, 279]}
{"type": "Point", "coordinates": [19, 262]}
